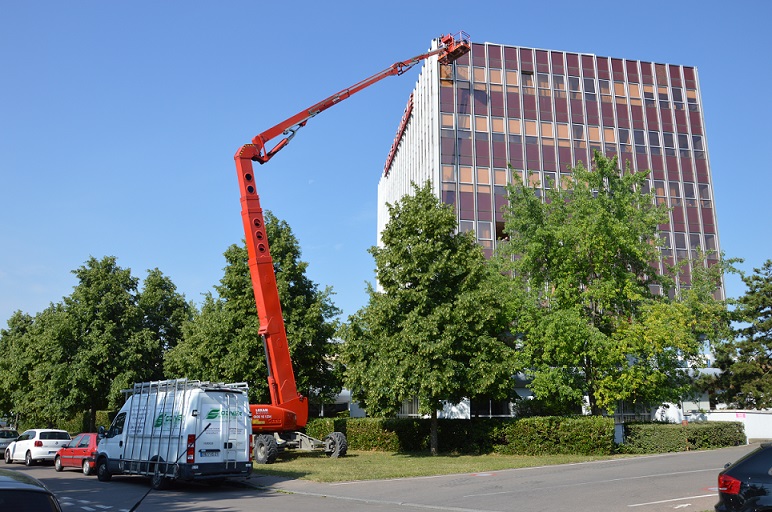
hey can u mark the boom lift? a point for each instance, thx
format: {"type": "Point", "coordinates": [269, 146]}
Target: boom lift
{"type": "Point", "coordinates": [274, 426]}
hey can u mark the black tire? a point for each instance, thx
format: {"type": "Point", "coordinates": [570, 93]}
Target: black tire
{"type": "Point", "coordinates": [28, 459]}
{"type": "Point", "coordinates": [158, 481]}
{"type": "Point", "coordinates": [336, 445]}
{"type": "Point", "coordinates": [8, 457]}
{"type": "Point", "coordinates": [58, 464]}
{"type": "Point", "coordinates": [103, 474]}
{"type": "Point", "coordinates": [86, 467]}
{"type": "Point", "coordinates": [266, 449]}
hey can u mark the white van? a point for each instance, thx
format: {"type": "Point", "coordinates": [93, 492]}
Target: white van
{"type": "Point", "coordinates": [178, 429]}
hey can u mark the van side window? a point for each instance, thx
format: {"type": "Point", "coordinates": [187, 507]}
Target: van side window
{"type": "Point", "coordinates": [117, 426]}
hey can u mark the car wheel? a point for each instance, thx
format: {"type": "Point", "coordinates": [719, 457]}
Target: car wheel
{"type": "Point", "coordinates": [58, 464]}
{"type": "Point", "coordinates": [86, 468]}
{"type": "Point", "coordinates": [28, 460]}
{"type": "Point", "coordinates": [103, 474]}
{"type": "Point", "coordinates": [8, 456]}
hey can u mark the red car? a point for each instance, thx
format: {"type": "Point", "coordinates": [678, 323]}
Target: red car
{"type": "Point", "coordinates": [78, 453]}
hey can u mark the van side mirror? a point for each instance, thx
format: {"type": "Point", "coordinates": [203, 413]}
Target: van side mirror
{"type": "Point", "coordinates": [101, 432]}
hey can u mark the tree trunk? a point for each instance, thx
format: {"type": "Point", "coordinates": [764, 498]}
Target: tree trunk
{"type": "Point", "coordinates": [433, 434]}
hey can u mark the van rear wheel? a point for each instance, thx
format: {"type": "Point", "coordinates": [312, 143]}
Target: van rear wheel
{"type": "Point", "coordinates": [159, 482]}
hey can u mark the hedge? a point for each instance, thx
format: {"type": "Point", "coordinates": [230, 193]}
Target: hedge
{"type": "Point", "coordinates": [552, 435]}
{"type": "Point", "coordinates": [528, 436]}
{"type": "Point", "coordinates": [664, 437]}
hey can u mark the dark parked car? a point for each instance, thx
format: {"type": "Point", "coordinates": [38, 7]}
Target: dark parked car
{"type": "Point", "coordinates": [19, 491]}
{"type": "Point", "coordinates": [78, 453]}
{"type": "Point", "coordinates": [7, 436]}
{"type": "Point", "coordinates": [746, 485]}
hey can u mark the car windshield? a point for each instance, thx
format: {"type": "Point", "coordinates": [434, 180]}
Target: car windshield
{"type": "Point", "coordinates": [8, 434]}
{"type": "Point", "coordinates": [54, 435]}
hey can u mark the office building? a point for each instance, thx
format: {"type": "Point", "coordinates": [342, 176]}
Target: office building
{"type": "Point", "coordinates": [543, 111]}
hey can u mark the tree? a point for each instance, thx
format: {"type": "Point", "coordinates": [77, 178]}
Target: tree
{"type": "Point", "coordinates": [77, 355]}
{"type": "Point", "coordinates": [746, 380]}
{"type": "Point", "coordinates": [437, 330]}
{"type": "Point", "coordinates": [116, 337]}
{"type": "Point", "coordinates": [16, 365]}
{"type": "Point", "coordinates": [164, 312]}
{"type": "Point", "coordinates": [222, 342]}
{"type": "Point", "coordinates": [585, 251]}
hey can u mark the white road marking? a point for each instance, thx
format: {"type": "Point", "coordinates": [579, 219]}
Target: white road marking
{"type": "Point", "coordinates": [674, 499]}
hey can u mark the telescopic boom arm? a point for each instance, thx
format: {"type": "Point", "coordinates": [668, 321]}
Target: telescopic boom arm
{"type": "Point", "coordinates": [451, 47]}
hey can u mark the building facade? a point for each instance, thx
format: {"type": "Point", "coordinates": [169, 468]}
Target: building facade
{"type": "Point", "coordinates": [543, 112]}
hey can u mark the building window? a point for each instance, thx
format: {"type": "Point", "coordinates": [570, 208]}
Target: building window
{"type": "Point", "coordinates": [635, 94]}
{"type": "Point", "coordinates": [710, 244]}
{"type": "Point", "coordinates": [694, 244]}
{"type": "Point", "coordinates": [682, 253]}
{"type": "Point", "coordinates": [689, 198]}
{"type": "Point", "coordinates": [465, 174]}
{"type": "Point", "coordinates": [483, 176]}
{"type": "Point", "coordinates": [691, 99]}
{"type": "Point", "coordinates": [675, 193]}
{"type": "Point", "coordinates": [666, 249]}
{"type": "Point", "coordinates": [485, 230]}
{"type": "Point", "coordinates": [648, 95]}
{"type": "Point", "coordinates": [704, 195]}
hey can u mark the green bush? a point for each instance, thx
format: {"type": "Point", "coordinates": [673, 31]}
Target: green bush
{"type": "Point", "coordinates": [666, 437]}
{"type": "Point", "coordinates": [552, 435]}
{"type": "Point", "coordinates": [527, 436]}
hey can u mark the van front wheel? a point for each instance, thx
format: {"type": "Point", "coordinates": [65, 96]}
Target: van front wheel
{"type": "Point", "coordinates": [103, 474]}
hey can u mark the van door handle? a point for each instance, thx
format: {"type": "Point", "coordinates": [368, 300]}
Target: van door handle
{"type": "Point", "coordinates": [120, 444]}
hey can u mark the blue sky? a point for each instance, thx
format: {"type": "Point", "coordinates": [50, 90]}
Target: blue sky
{"type": "Point", "coordinates": [119, 122]}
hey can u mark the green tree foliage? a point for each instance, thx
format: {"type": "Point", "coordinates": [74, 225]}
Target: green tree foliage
{"type": "Point", "coordinates": [584, 252]}
{"type": "Point", "coordinates": [77, 355]}
{"type": "Point", "coordinates": [437, 330]}
{"type": "Point", "coordinates": [222, 342]}
{"type": "Point", "coordinates": [746, 364]}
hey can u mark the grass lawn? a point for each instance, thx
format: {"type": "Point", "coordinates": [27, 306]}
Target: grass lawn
{"type": "Point", "coordinates": [363, 465]}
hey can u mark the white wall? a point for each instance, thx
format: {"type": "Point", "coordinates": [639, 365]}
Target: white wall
{"type": "Point", "coordinates": [758, 424]}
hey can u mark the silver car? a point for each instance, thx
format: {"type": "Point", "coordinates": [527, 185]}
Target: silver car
{"type": "Point", "coordinates": [36, 445]}
{"type": "Point", "coordinates": [7, 436]}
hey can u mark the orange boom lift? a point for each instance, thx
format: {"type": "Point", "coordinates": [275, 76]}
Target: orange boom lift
{"type": "Point", "coordinates": [274, 426]}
